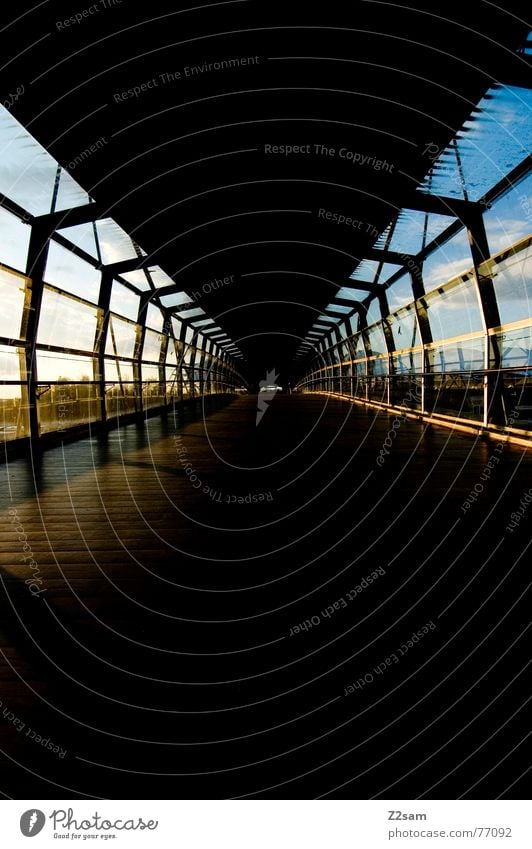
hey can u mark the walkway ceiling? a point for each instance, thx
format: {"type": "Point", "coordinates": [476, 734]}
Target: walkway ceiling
{"type": "Point", "coordinates": [181, 165]}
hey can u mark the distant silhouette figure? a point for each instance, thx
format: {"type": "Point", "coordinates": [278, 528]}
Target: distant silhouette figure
{"type": "Point", "coordinates": [267, 389]}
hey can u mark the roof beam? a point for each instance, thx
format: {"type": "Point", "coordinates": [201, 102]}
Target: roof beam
{"type": "Point", "coordinates": [338, 314]}
{"type": "Point", "coordinates": [386, 256]}
{"type": "Point", "coordinates": [439, 205]}
{"type": "Point", "coordinates": [326, 324]}
{"type": "Point", "coordinates": [509, 180]}
{"type": "Point", "coordinates": [504, 185]}
{"type": "Point", "coordinates": [371, 253]}
{"type": "Point", "coordinates": [73, 216]}
{"type": "Point", "coordinates": [135, 264]}
{"type": "Point", "coordinates": [346, 303]}
{"type": "Point", "coordinates": [362, 284]}
{"type": "Point", "coordinates": [11, 206]}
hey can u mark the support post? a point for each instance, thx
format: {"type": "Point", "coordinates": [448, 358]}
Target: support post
{"type": "Point", "coordinates": [425, 332]}
{"type": "Point", "coordinates": [104, 301]}
{"type": "Point", "coordinates": [494, 403]}
{"type": "Point", "coordinates": [35, 269]}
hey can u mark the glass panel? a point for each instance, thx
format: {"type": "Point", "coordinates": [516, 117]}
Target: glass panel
{"type": "Point", "coordinates": [526, 49]}
{"type": "Point", "coordinates": [124, 301]}
{"type": "Point", "coordinates": [12, 300]}
{"type": "Point", "coordinates": [377, 383]}
{"type": "Point", "coordinates": [27, 171]}
{"type": "Point", "coordinates": [69, 405]}
{"type": "Point", "coordinates": [400, 293]}
{"type": "Point", "coordinates": [67, 271]}
{"type": "Point", "coordinates": [405, 388]}
{"type": "Point", "coordinates": [516, 353]}
{"type": "Point", "coordinates": [344, 330]}
{"type": "Point", "coordinates": [172, 383]}
{"type": "Point", "coordinates": [517, 388]}
{"type": "Point", "coordinates": [404, 328]}
{"type": "Point", "coordinates": [333, 355]}
{"type": "Point", "coordinates": [460, 356]}
{"type": "Point", "coordinates": [365, 270]}
{"type": "Point", "coordinates": [203, 321]}
{"type": "Point", "coordinates": [152, 395]}
{"type": "Point", "coordinates": [171, 356]}
{"type": "Point", "coordinates": [121, 395]}
{"type": "Point", "coordinates": [510, 218]}
{"type": "Point", "coordinates": [353, 322]}
{"type": "Point", "coordinates": [408, 363]}
{"type": "Point", "coordinates": [360, 351]}
{"type": "Point", "coordinates": [52, 366]}
{"type": "Point", "coordinates": [454, 311]}
{"type": "Point", "coordinates": [14, 416]}
{"type": "Point", "coordinates": [176, 327]}
{"type": "Point", "coordinates": [115, 244]}
{"type": "Point", "coordinates": [345, 350]}
{"type": "Point", "coordinates": [11, 364]}
{"type": "Point", "coordinates": [160, 278]}
{"type": "Point", "coordinates": [138, 279]}
{"type": "Point", "coordinates": [121, 400]}
{"type": "Point", "coordinates": [154, 318]}
{"type": "Point", "coordinates": [496, 141]}
{"type": "Point", "coordinates": [414, 230]}
{"type": "Point", "coordinates": [14, 241]}
{"type": "Point", "coordinates": [359, 369]}
{"type": "Point", "coordinates": [121, 338]}
{"type": "Point", "coordinates": [457, 387]}
{"type": "Point", "coordinates": [66, 323]}
{"type": "Point", "coordinates": [515, 347]}
{"type": "Point", "coordinates": [376, 340]}
{"type": "Point", "coordinates": [150, 373]}
{"type": "Point", "coordinates": [70, 193]}
{"type": "Point", "coordinates": [378, 366]}
{"type": "Point", "coordinates": [82, 235]}
{"type": "Point", "coordinates": [447, 261]}
{"type": "Point", "coordinates": [117, 371]}
{"type": "Point", "coordinates": [350, 294]}
{"type": "Point", "coordinates": [152, 346]}
{"type": "Point", "coordinates": [175, 300]}
{"type": "Point", "coordinates": [339, 308]}
{"type": "Point", "coordinates": [191, 313]}
{"type": "Point", "coordinates": [512, 279]}
{"type": "Point", "coordinates": [386, 272]}
{"type": "Point", "coordinates": [459, 395]}
{"type": "Point", "coordinates": [374, 312]}
{"type": "Point", "coordinates": [152, 389]}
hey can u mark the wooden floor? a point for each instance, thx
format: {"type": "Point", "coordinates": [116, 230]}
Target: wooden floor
{"type": "Point", "coordinates": [151, 642]}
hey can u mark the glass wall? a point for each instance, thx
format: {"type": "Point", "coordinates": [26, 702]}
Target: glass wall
{"type": "Point", "coordinates": [77, 346]}
{"type": "Point", "coordinates": [15, 295]}
{"type": "Point", "coordinates": [441, 355]}
{"type": "Point", "coordinates": [448, 260]}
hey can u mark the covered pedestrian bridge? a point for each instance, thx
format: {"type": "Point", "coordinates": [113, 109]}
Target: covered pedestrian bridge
{"type": "Point", "coordinates": [266, 402]}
